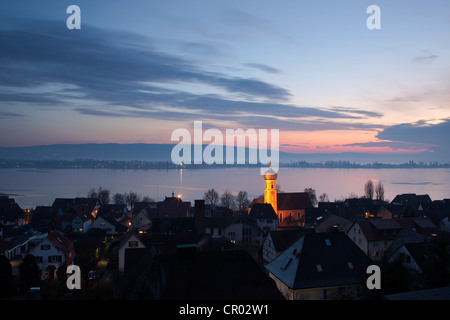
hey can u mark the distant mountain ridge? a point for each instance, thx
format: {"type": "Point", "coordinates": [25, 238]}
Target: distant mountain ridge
{"type": "Point", "coordinates": [162, 153]}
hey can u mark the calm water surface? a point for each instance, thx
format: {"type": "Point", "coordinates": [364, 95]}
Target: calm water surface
{"type": "Point", "coordinates": [32, 187]}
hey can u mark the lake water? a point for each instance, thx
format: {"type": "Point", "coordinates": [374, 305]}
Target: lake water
{"type": "Point", "coordinates": [32, 187]}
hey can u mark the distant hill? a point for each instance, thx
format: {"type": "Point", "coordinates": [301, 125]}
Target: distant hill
{"type": "Point", "coordinates": [162, 152]}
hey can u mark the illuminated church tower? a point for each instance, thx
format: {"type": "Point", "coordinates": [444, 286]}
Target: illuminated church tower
{"type": "Point", "coordinates": [270, 192]}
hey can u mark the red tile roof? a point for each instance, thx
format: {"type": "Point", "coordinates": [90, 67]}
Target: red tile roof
{"type": "Point", "coordinates": [62, 243]}
{"type": "Point", "coordinates": [293, 201]}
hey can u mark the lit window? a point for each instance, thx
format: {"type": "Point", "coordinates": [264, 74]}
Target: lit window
{"type": "Point", "coordinates": [319, 267]}
{"type": "Point", "coordinates": [350, 265]}
{"type": "Point", "coordinates": [328, 242]}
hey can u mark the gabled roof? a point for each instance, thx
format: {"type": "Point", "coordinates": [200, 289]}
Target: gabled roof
{"type": "Point", "coordinates": [379, 230]}
{"type": "Point", "coordinates": [320, 260]}
{"type": "Point", "coordinates": [424, 254]}
{"type": "Point", "coordinates": [119, 227]}
{"type": "Point", "coordinates": [125, 237]}
{"type": "Point", "coordinates": [411, 199]}
{"type": "Point", "coordinates": [384, 224]}
{"type": "Point", "coordinates": [406, 236]}
{"type": "Point", "coordinates": [62, 203]}
{"type": "Point", "coordinates": [173, 207]}
{"type": "Point", "coordinates": [60, 241]}
{"type": "Point", "coordinates": [10, 210]}
{"type": "Point", "coordinates": [217, 222]}
{"type": "Point", "coordinates": [416, 224]}
{"type": "Point", "coordinates": [262, 211]}
{"type": "Point", "coordinates": [113, 210]}
{"type": "Point", "coordinates": [293, 201]}
{"type": "Point", "coordinates": [217, 275]}
{"type": "Point", "coordinates": [141, 205]}
{"type": "Point", "coordinates": [329, 222]}
{"type": "Point", "coordinates": [282, 239]}
{"type": "Point", "coordinates": [41, 217]}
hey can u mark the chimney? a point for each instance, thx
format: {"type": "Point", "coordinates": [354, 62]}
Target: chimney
{"type": "Point", "coordinates": [335, 228]}
{"type": "Point", "coordinates": [199, 216]}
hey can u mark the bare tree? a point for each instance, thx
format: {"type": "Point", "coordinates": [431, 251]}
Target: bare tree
{"type": "Point", "coordinates": [242, 200]}
{"type": "Point", "coordinates": [92, 193]}
{"type": "Point", "coordinates": [119, 198]}
{"type": "Point", "coordinates": [352, 195]}
{"type": "Point", "coordinates": [324, 198]}
{"type": "Point", "coordinates": [103, 195]}
{"type": "Point", "coordinates": [278, 188]}
{"type": "Point", "coordinates": [147, 199]}
{"type": "Point", "coordinates": [211, 197]}
{"type": "Point", "coordinates": [368, 189]}
{"type": "Point", "coordinates": [227, 199]}
{"type": "Point", "coordinates": [131, 198]}
{"type": "Point", "coordinates": [379, 191]}
{"type": "Point", "coordinates": [312, 195]}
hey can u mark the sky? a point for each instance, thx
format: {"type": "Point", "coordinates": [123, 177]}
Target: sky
{"type": "Point", "coordinates": [137, 70]}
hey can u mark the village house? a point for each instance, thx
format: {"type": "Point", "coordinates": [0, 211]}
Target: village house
{"type": "Point", "coordinates": [375, 236]}
{"type": "Point", "coordinates": [331, 222]}
{"type": "Point", "coordinates": [131, 242]}
{"type": "Point", "coordinates": [11, 213]}
{"type": "Point", "coordinates": [52, 252]}
{"type": "Point", "coordinates": [279, 240]}
{"type": "Point", "coordinates": [16, 246]}
{"type": "Point", "coordinates": [170, 207]}
{"type": "Point", "coordinates": [108, 225]}
{"type": "Point", "coordinates": [437, 211]}
{"type": "Point", "coordinates": [242, 231]}
{"type": "Point", "coordinates": [425, 262]}
{"type": "Point", "coordinates": [320, 266]}
{"type": "Point", "coordinates": [215, 226]}
{"type": "Point", "coordinates": [74, 215]}
{"type": "Point", "coordinates": [264, 216]}
{"type": "Point", "coordinates": [411, 202]}
{"type": "Point", "coordinates": [190, 274]}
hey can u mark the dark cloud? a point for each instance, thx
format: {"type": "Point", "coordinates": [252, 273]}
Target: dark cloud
{"type": "Point", "coordinates": [426, 59]}
{"type": "Point", "coordinates": [414, 136]}
{"type": "Point", "coordinates": [120, 74]}
{"type": "Point", "coordinates": [99, 61]}
{"type": "Point", "coordinates": [263, 67]}
{"type": "Point", "coordinates": [419, 132]}
{"type": "Point", "coordinates": [370, 114]}
{"type": "Point", "coordinates": [8, 115]}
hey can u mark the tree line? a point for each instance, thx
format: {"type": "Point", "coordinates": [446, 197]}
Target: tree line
{"type": "Point", "coordinates": [227, 199]}
{"type": "Point", "coordinates": [127, 198]}
{"type": "Point", "coordinates": [240, 201]}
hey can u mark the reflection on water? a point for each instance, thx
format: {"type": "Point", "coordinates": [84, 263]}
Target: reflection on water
{"type": "Point", "coordinates": [40, 187]}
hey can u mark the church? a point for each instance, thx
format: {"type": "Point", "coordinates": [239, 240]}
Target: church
{"type": "Point", "coordinates": [289, 206]}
